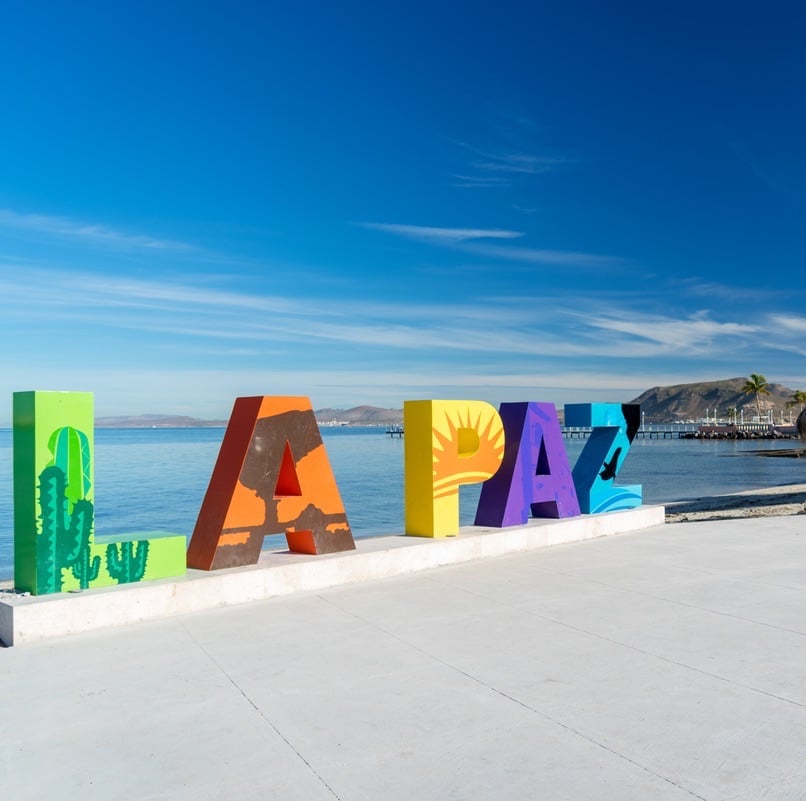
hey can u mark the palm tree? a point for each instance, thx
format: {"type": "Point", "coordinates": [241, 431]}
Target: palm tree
{"type": "Point", "coordinates": [733, 413]}
{"type": "Point", "coordinates": [797, 398]}
{"type": "Point", "coordinates": [756, 385]}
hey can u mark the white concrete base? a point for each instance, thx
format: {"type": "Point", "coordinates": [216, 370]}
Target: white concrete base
{"type": "Point", "coordinates": [26, 618]}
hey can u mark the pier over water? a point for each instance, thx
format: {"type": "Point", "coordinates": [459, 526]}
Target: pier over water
{"type": "Point", "coordinates": [659, 431]}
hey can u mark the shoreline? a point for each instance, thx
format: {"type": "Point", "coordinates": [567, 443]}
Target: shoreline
{"type": "Point", "coordinates": [778, 501]}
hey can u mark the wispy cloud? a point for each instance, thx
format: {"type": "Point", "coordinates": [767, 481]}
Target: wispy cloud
{"type": "Point", "coordinates": [445, 236]}
{"type": "Point", "coordinates": [763, 161]}
{"type": "Point", "coordinates": [566, 258]}
{"type": "Point", "coordinates": [89, 233]}
{"type": "Point", "coordinates": [672, 334]}
{"type": "Point", "coordinates": [470, 240]}
{"type": "Point", "coordinates": [697, 288]}
{"type": "Point", "coordinates": [499, 167]}
{"type": "Point", "coordinates": [480, 181]}
{"type": "Point", "coordinates": [523, 163]}
{"type": "Point", "coordinates": [789, 322]}
{"type": "Point", "coordinates": [57, 288]}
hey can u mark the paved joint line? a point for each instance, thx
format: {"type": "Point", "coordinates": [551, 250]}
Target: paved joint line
{"type": "Point", "coordinates": [262, 715]}
{"type": "Point", "coordinates": [671, 661]}
{"type": "Point", "coordinates": [685, 605]}
{"type": "Point", "coordinates": [584, 736]}
{"type": "Point", "coordinates": [710, 572]}
{"type": "Point", "coordinates": [768, 785]}
{"type": "Point", "coordinates": [634, 648]}
{"type": "Point", "coordinates": [513, 700]}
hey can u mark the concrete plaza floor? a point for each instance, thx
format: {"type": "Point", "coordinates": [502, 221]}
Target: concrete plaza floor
{"type": "Point", "coordinates": [668, 663]}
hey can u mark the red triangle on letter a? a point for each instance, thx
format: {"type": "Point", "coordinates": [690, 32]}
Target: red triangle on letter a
{"type": "Point", "coordinates": [287, 478]}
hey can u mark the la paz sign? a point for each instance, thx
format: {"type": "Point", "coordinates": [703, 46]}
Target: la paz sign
{"type": "Point", "coordinates": [272, 476]}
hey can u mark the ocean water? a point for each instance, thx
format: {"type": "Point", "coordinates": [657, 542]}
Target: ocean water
{"type": "Point", "coordinates": [155, 479]}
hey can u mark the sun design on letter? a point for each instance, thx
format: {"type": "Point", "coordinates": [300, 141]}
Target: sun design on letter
{"type": "Point", "coordinates": [468, 448]}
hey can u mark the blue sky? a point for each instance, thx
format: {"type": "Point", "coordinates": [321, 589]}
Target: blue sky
{"type": "Point", "coordinates": [375, 202]}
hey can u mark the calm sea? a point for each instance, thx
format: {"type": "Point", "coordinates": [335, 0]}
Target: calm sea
{"type": "Point", "coordinates": [155, 479]}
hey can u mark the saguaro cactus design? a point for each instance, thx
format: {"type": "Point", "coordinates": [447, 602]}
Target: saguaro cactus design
{"type": "Point", "coordinates": [60, 544]}
{"type": "Point", "coordinates": [51, 505]}
{"type": "Point", "coordinates": [85, 567]}
{"type": "Point", "coordinates": [126, 561]}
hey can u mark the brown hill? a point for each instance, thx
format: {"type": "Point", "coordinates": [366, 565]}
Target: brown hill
{"type": "Point", "coordinates": [684, 402]}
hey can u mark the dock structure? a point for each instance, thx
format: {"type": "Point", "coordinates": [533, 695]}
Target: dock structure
{"type": "Point", "coordinates": [645, 432]}
{"type": "Point", "coordinates": [394, 431]}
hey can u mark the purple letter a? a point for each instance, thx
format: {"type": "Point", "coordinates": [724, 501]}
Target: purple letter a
{"type": "Point", "coordinates": [534, 479]}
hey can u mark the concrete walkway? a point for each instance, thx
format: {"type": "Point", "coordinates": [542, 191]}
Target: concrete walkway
{"type": "Point", "coordinates": [664, 664]}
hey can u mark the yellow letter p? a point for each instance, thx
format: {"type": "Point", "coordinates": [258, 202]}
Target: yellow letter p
{"type": "Point", "coordinates": [447, 443]}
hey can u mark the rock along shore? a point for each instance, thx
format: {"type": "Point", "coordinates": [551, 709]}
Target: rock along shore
{"type": "Point", "coordinates": [739, 432]}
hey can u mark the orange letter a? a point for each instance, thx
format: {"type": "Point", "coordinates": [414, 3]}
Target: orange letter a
{"type": "Point", "coordinates": [272, 475]}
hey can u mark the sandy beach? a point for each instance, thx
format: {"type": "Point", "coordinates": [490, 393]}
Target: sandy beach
{"type": "Point", "coordinates": [767, 502]}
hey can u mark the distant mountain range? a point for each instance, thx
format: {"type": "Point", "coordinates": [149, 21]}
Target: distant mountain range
{"type": "Point", "coordinates": [359, 415]}
{"type": "Point", "coordinates": [157, 421]}
{"type": "Point", "coordinates": [676, 403]}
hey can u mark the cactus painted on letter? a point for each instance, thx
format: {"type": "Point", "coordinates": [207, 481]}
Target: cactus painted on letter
{"type": "Point", "coordinates": [59, 544]}
{"type": "Point", "coordinates": [71, 452]}
{"type": "Point", "coordinates": [84, 568]}
{"type": "Point", "coordinates": [126, 561]}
